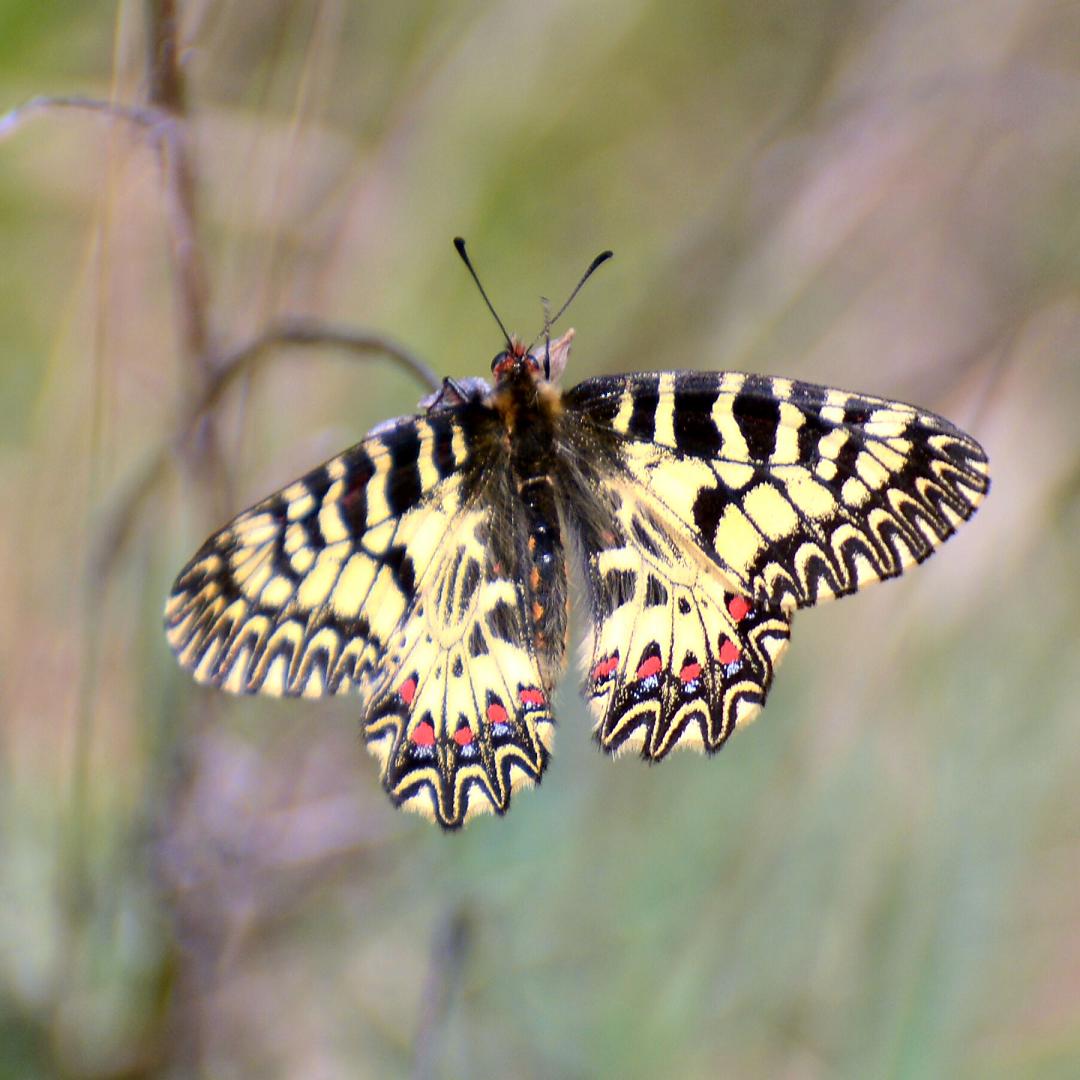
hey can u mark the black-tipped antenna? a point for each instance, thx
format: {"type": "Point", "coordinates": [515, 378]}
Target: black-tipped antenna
{"type": "Point", "coordinates": [459, 243]}
{"type": "Point", "coordinates": [546, 303]}
{"type": "Point", "coordinates": [550, 322]}
{"type": "Point", "coordinates": [597, 262]}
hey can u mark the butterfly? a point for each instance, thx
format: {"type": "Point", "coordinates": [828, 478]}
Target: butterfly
{"type": "Point", "coordinates": [424, 571]}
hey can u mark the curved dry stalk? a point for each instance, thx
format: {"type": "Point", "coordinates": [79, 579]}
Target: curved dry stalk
{"type": "Point", "coordinates": [158, 122]}
{"type": "Point", "coordinates": [450, 947]}
{"type": "Point", "coordinates": [167, 132]}
{"type": "Point", "coordinates": [241, 361]}
{"type": "Point", "coordinates": [301, 330]}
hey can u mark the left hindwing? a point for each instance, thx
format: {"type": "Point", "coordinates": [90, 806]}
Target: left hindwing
{"type": "Point", "coordinates": [463, 717]}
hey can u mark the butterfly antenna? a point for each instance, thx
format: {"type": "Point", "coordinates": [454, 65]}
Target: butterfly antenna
{"type": "Point", "coordinates": [597, 262]}
{"type": "Point", "coordinates": [593, 266]}
{"type": "Point", "coordinates": [460, 245]}
{"type": "Point", "coordinates": [546, 304]}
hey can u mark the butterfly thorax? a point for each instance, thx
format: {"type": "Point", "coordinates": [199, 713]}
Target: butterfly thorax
{"type": "Point", "coordinates": [529, 410]}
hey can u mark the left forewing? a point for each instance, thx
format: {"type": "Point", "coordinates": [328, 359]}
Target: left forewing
{"type": "Point", "coordinates": [301, 593]}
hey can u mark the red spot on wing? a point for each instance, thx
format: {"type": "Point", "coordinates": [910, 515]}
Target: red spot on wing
{"type": "Point", "coordinates": [463, 736]}
{"type": "Point", "coordinates": [739, 608]}
{"type": "Point", "coordinates": [729, 651]}
{"type": "Point", "coordinates": [407, 690]}
{"type": "Point", "coordinates": [605, 667]}
{"type": "Point", "coordinates": [532, 696]}
{"type": "Point", "coordinates": [423, 734]}
{"type": "Point", "coordinates": [496, 714]}
{"type": "Point", "coordinates": [690, 672]}
{"type": "Point", "coordinates": [649, 667]}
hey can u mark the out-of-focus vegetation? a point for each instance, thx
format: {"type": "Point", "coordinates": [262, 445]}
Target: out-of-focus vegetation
{"type": "Point", "coordinates": [880, 878]}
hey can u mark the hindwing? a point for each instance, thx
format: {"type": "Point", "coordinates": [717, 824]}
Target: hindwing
{"type": "Point", "coordinates": [462, 717]}
{"type": "Point", "coordinates": [678, 659]}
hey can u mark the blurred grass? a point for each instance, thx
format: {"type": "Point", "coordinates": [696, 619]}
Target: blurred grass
{"type": "Point", "coordinates": [880, 878]}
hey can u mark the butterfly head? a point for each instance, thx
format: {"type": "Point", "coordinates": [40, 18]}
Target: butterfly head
{"type": "Point", "coordinates": [520, 363]}
{"type": "Point", "coordinates": [542, 362]}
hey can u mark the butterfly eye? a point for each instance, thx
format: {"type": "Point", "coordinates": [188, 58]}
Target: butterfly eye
{"type": "Point", "coordinates": [499, 359]}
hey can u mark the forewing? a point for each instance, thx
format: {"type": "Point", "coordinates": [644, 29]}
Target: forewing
{"type": "Point", "coordinates": [797, 492]}
{"type": "Point", "coordinates": [301, 593]}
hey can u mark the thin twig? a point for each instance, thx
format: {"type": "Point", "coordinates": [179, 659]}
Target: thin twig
{"type": "Point", "coordinates": [167, 87]}
{"type": "Point", "coordinates": [167, 92]}
{"type": "Point", "coordinates": [449, 950]}
{"type": "Point", "coordinates": [166, 128]}
{"type": "Point", "coordinates": [300, 330]}
{"type": "Point", "coordinates": [168, 135]}
{"type": "Point", "coordinates": [157, 122]}
{"type": "Point", "coordinates": [243, 360]}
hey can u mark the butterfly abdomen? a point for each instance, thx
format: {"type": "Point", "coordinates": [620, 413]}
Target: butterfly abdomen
{"type": "Point", "coordinates": [546, 579]}
{"type": "Point", "coordinates": [530, 412]}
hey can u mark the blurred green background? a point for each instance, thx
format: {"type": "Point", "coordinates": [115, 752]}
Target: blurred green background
{"type": "Point", "coordinates": [881, 878]}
